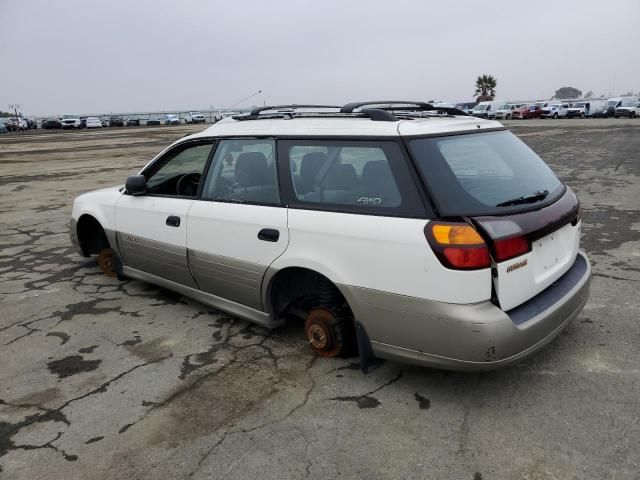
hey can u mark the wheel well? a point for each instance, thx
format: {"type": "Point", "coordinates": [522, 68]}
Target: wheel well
{"type": "Point", "coordinates": [91, 235]}
{"type": "Point", "coordinates": [294, 291]}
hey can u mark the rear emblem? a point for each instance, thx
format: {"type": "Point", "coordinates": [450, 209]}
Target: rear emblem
{"type": "Point", "coordinates": [517, 265]}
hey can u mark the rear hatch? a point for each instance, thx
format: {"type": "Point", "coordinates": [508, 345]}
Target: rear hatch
{"type": "Point", "coordinates": [528, 219]}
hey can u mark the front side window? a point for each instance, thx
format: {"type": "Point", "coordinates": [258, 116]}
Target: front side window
{"type": "Point", "coordinates": [179, 171]}
{"type": "Point", "coordinates": [484, 174]}
{"type": "Point", "coordinates": [360, 176]}
{"type": "Point", "coordinates": [243, 171]}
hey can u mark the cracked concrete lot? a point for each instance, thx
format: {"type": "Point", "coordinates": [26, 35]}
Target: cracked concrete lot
{"type": "Point", "coordinates": [104, 379]}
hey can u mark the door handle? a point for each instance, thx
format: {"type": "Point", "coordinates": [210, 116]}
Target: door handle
{"type": "Point", "coordinates": [173, 221]}
{"type": "Point", "coordinates": [269, 235]}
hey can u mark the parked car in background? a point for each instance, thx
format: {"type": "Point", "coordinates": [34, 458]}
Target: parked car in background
{"type": "Point", "coordinates": [93, 122]}
{"type": "Point", "coordinates": [16, 124]}
{"type": "Point", "coordinates": [83, 122]}
{"type": "Point", "coordinates": [71, 121]}
{"type": "Point", "coordinates": [466, 107]}
{"type": "Point", "coordinates": [220, 217]}
{"type": "Point", "coordinates": [554, 110]}
{"type": "Point", "coordinates": [3, 127]}
{"type": "Point", "coordinates": [544, 103]}
{"type": "Point", "coordinates": [504, 111]}
{"type": "Point", "coordinates": [526, 111]}
{"type": "Point", "coordinates": [133, 122]}
{"type": "Point", "coordinates": [194, 117]}
{"type": "Point", "coordinates": [629, 107]}
{"type": "Point", "coordinates": [31, 124]}
{"type": "Point", "coordinates": [485, 109]}
{"type": "Point", "coordinates": [51, 124]}
{"type": "Point", "coordinates": [116, 121]}
{"type": "Point", "coordinates": [104, 121]}
{"type": "Point", "coordinates": [153, 120]}
{"type": "Point", "coordinates": [612, 105]}
{"type": "Point", "coordinates": [578, 110]}
{"type": "Point", "coordinates": [171, 120]}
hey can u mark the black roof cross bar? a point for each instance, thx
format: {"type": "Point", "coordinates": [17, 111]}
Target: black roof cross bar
{"type": "Point", "coordinates": [258, 110]}
{"type": "Point", "coordinates": [401, 105]}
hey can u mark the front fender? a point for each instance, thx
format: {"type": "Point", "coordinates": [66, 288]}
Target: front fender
{"type": "Point", "coordinates": [101, 205]}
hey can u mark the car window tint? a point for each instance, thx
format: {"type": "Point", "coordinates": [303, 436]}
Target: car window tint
{"type": "Point", "coordinates": [181, 171]}
{"type": "Point", "coordinates": [243, 171]}
{"type": "Point", "coordinates": [471, 174]}
{"type": "Point", "coordinates": [356, 176]}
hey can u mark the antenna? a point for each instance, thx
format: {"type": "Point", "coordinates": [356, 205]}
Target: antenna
{"type": "Point", "coordinates": [245, 99]}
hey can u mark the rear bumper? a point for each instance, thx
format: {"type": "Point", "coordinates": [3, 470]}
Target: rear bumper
{"type": "Point", "coordinates": [468, 337]}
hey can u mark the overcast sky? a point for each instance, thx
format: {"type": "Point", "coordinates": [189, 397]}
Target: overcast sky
{"type": "Point", "coordinates": [81, 56]}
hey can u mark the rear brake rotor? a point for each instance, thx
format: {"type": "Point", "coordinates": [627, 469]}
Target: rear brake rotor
{"type": "Point", "coordinates": [323, 332]}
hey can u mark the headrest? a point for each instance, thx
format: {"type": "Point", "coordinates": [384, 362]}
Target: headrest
{"type": "Point", "coordinates": [376, 172]}
{"type": "Point", "coordinates": [341, 177]}
{"type": "Point", "coordinates": [311, 164]}
{"type": "Point", "coordinates": [251, 169]}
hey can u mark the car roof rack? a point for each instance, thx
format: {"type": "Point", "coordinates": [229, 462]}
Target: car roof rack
{"type": "Point", "coordinates": [289, 111]}
{"type": "Point", "coordinates": [403, 106]}
{"type": "Point", "coordinates": [258, 110]}
{"type": "Point", "coordinates": [384, 111]}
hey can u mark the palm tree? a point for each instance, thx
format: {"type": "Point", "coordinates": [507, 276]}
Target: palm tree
{"type": "Point", "coordinates": [485, 88]}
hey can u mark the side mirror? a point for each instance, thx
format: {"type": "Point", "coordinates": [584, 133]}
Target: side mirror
{"type": "Point", "coordinates": [136, 185]}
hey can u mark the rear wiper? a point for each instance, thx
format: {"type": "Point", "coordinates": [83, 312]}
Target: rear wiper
{"type": "Point", "coordinates": [536, 197]}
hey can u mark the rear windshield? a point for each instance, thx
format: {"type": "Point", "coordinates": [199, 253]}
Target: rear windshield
{"type": "Point", "coordinates": [472, 174]}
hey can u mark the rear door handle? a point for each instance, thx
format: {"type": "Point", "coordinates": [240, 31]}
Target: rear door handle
{"type": "Point", "coordinates": [173, 221]}
{"type": "Point", "coordinates": [269, 235]}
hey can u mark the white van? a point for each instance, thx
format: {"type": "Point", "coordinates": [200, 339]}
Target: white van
{"type": "Point", "coordinates": [486, 109]}
{"type": "Point", "coordinates": [629, 107]}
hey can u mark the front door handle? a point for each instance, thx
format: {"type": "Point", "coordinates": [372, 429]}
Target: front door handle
{"type": "Point", "coordinates": [269, 235]}
{"type": "Point", "coordinates": [173, 221]}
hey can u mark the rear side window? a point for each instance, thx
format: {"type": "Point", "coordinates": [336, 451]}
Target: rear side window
{"type": "Point", "coordinates": [351, 176]}
{"type": "Point", "coordinates": [473, 174]}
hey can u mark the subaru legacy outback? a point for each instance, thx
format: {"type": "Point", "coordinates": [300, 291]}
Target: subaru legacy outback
{"type": "Point", "coordinates": [393, 230]}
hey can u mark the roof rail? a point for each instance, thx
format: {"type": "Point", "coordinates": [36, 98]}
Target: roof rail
{"type": "Point", "coordinates": [258, 110]}
{"type": "Point", "coordinates": [402, 105]}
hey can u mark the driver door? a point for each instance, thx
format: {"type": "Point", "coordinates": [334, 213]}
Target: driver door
{"type": "Point", "coordinates": [151, 228]}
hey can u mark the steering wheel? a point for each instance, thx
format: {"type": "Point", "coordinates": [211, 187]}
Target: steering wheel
{"type": "Point", "coordinates": [187, 184]}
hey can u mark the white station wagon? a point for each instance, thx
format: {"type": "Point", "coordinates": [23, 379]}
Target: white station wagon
{"type": "Point", "coordinates": [395, 230]}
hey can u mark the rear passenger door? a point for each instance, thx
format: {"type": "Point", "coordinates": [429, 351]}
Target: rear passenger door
{"type": "Point", "coordinates": [238, 227]}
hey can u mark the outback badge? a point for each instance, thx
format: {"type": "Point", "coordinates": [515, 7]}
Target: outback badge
{"type": "Point", "coordinates": [517, 265]}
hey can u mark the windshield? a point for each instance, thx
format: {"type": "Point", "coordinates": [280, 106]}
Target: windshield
{"type": "Point", "coordinates": [480, 108]}
{"type": "Point", "coordinates": [578, 105]}
{"type": "Point", "coordinates": [472, 174]}
{"type": "Point", "coordinates": [70, 116]}
{"type": "Point", "coordinates": [629, 102]}
{"type": "Point", "coordinates": [612, 103]}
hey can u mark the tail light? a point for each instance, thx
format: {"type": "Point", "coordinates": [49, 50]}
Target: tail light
{"type": "Point", "coordinates": [458, 245]}
{"type": "Point", "coordinates": [511, 247]}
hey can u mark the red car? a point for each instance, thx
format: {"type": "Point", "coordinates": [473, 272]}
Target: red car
{"type": "Point", "coordinates": [527, 111]}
